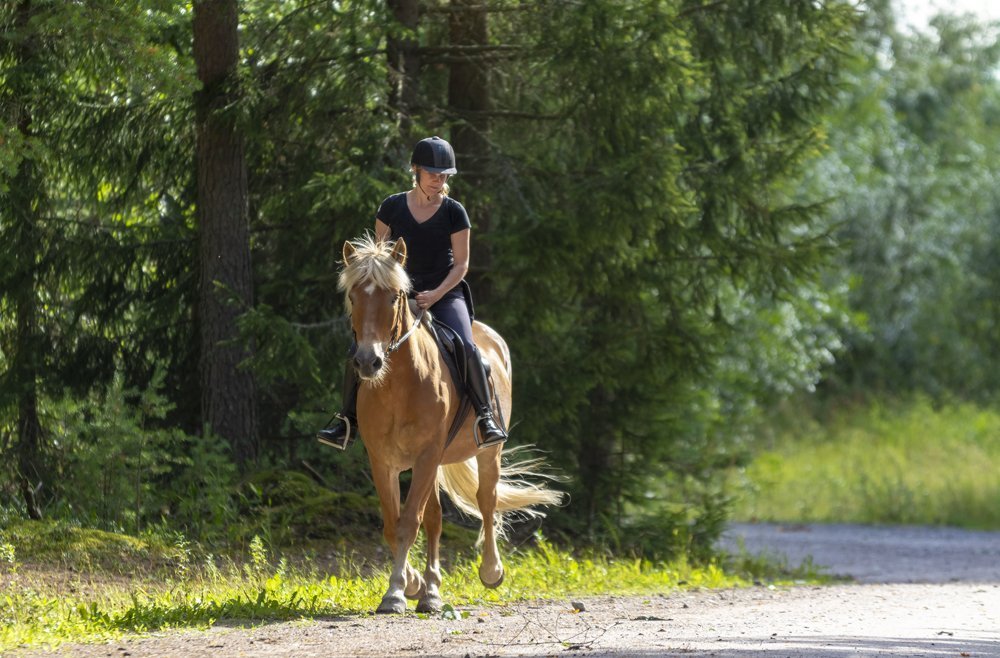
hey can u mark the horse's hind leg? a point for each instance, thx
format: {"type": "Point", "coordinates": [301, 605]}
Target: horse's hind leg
{"type": "Point", "coordinates": [430, 599]}
{"type": "Point", "coordinates": [491, 569]}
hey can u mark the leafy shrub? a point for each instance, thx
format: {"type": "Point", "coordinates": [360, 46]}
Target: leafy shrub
{"type": "Point", "coordinates": [288, 506]}
{"type": "Point", "coordinates": [120, 469]}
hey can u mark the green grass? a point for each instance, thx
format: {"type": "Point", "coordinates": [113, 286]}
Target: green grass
{"type": "Point", "coordinates": [46, 604]}
{"type": "Point", "coordinates": [902, 463]}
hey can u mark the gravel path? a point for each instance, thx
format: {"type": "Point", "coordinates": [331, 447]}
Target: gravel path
{"type": "Point", "coordinates": [878, 554]}
{"type": "Point", "coordinates": [920, 592]}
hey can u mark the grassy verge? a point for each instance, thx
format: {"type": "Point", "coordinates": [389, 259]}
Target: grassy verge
{"type": "Point", "coordinates": [907, 462]}
{"type": "Point", "coordinates": [156, 586]}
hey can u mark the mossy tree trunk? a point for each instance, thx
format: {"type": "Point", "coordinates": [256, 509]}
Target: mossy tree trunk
{"type": "Point", "coordinates": [404, 65]}
{"type": "Point", "coordinates": [470, 102]}
{"type": "Point", "coordinates": [21, 210]}
{"type": "Point", "coordinates": [227, 390]}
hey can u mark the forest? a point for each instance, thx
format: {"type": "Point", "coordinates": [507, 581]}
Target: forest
{"type": "Point", "coordinates": [692, 222]}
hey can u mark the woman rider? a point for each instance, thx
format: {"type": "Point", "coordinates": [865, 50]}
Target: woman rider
{"type": "Point", "coordinates": [436, 230]}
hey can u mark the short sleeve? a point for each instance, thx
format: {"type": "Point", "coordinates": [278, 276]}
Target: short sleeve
{"type": "Point", "coordinates": [387, 211]}
{"type": "Point", "coordinates": [458, 218]}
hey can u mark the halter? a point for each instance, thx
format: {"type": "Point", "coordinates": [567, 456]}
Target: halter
{"type": "Point", "coordinates": [396, 344]}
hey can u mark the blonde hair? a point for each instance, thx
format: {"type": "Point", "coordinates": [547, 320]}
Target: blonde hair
{"type": "Point", "coordinates": [414, 169]}
{"type": "Point", "coordinates": [372, 262]}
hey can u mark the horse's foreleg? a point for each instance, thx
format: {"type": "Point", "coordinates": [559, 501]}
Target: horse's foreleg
{"type": "Point", "coordinates": [424, 473]}
{"type": "Point", "coordinates": [491, 569]}
{"type": "Point", "coordinates": [430, 601]}
{"type": "Point", "coordinates": [387, 486]}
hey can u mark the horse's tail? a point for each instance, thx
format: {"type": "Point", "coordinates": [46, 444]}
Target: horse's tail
{"type": "Point", "coordinates": [517, 491]}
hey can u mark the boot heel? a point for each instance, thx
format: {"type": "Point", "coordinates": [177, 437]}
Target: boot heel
{"type": "Point", "coordinates": [482, 442]}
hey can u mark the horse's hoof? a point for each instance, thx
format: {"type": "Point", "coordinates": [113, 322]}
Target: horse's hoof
{"type": "Point", "coordinates": [419, 594]}
{"type": "Point", "coordinates": [431, 604]}
{"type": "Point", "coordinates": [498, 583]}
{"type": "Point", "coordinates": [392, 606]}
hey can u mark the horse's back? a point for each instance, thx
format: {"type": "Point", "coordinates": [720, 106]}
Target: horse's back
{"type": "Point", "coordinates": [494, 348]}
{"type": "Point", "coordinates": [492, 345]}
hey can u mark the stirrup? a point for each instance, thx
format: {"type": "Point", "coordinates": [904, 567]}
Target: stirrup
{"type": "Point", "coordinates": [483, 442]}
{"type": "Point", "coordinates": [348, 434]}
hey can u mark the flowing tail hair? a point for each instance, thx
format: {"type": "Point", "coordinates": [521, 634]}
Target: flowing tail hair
{"type": "Point", "coordinates": [516, 490]}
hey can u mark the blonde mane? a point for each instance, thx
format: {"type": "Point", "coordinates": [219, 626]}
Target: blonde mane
{"type": "Point", "coordinates": [372, 262]}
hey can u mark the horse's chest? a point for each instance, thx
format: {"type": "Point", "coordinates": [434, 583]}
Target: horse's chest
{"type": "Point", "coordinates": [401, 417]}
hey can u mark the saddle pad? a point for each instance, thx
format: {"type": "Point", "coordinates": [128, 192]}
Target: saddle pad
{"type": "Point", "coordinates": [452, 348]}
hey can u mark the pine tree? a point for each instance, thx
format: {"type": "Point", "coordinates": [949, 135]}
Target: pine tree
{"type": "Point", "coordinates": [227, 390]}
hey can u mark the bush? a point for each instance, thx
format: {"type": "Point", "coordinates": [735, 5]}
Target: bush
{"type": "Point", "coordinates": [289, 507]}
{"type": "Point", "coordinates": [118, 469]}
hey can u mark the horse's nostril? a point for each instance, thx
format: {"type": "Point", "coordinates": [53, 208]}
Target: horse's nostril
{"type": "Point", "coordinates": [357, 363]}
{"type": "Point", "coordinates": [377, 364]}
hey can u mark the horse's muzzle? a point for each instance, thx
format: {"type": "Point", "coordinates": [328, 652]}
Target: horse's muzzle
{"type": "Point", "coordinates": [368, 362]}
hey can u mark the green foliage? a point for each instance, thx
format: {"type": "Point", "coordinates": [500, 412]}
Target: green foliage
{"type": "Point", "coordinates": [8, 555]}
{"type": "Point", "coordinates": [907, 462]}
{"type": "Point", "coordinates": [316, 124]}
{"type": "Point", "coordinates": [120, 469]}
{"type": "Point", "coordinates": [99, 83]}
{"type": "Point", "coordinates": [912, 173]}
{"type": "Point", "coordinates": [289, 507]}
{"type": "Point", "coordinates": [653, 261]}
{"type": "Point", "coordinates": [91, 234]}
{"type": "Point", "coordinates": [761, 567]}
{"type": "Point", "coordinates": [644, 239]}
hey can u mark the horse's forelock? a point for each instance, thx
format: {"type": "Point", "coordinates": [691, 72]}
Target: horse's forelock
{"type": "Point", "coordinates": [372, 263]}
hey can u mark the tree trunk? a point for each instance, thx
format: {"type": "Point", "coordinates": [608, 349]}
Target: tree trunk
{"type": "Point", "coordinates": [27, 344]}
{"type": "Point", "coordinates": [22, 207]}
{"type": "Point", "coordinates": [596, 467]}
{"type": "Point", "coordinates": [404, 66]}
{"type": "Point", "coordinates": [469, 99]}
{"type": "Point", "coordinates": [228, 396]}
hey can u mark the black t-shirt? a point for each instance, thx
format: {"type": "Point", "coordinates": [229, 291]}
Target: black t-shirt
{"type": "Point", "coordinates": [429, 257]}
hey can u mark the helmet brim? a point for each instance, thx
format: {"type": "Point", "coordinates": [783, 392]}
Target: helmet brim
{"type": "Point", "coordinates": [439, 170]}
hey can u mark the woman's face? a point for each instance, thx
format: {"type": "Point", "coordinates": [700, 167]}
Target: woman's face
{"type": "Point", "coordinates": [430, 182]}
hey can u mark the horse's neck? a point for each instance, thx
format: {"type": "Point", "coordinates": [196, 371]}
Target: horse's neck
{"type": "Point", "coordinates": [415, 358]}
{"type": "Point", "coordinates": [420, 347]}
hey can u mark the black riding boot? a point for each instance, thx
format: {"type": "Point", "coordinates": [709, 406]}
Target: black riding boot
{"type": "Point", "coordinates": [340, 434]}
{"type": "Point", "coordinates": [490, 431]}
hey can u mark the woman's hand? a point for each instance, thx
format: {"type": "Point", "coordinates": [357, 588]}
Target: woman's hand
{"type": "Point", "coordinates": [427, 298]}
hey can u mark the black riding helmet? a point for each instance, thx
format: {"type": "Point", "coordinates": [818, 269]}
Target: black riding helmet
{"type": "Point", "coordinates": [435, 155]}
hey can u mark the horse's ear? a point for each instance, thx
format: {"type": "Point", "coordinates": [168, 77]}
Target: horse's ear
{"type": "Point", "coordinates": [399, 252]}
{"type": "Point", "coordinates": [348, 252]}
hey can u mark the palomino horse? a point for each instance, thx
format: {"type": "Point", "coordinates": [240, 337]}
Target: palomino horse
{"type": "Point", "coordinates": [406, 404]}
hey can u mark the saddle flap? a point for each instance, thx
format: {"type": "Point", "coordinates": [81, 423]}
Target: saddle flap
{"type": "Point", "coordinates": [452, 348]}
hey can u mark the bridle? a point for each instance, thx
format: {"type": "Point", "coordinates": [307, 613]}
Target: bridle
{"type": "Point", "coordinates": [400, 315]}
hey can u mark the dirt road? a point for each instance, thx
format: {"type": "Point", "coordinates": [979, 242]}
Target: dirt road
{"type": "Point", "coordinates": [885, 554]}
{"type": "Point", "coordinates": [920, 592]}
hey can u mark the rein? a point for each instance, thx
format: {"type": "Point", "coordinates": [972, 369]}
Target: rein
{"type": "Point", "coordinates": [396, 344]}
